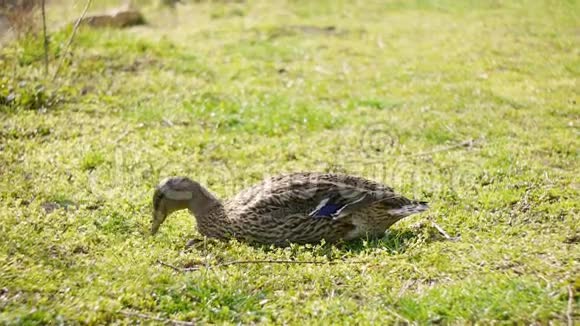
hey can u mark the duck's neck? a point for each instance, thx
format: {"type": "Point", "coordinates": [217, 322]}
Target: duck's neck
{"type": "Point", "coordinates": [202, 201]}
{"type": "Point", "coordinates": [210, 214]}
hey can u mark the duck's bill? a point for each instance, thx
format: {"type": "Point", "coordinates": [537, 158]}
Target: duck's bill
{"type": "Point", "coordinates": [155, 224]}
{"type": "Point", "coordinates": [158, 218]}
{"type": "Point", "coordinates": [154, 228]}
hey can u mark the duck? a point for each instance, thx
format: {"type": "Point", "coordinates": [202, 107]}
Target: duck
{"type": "Point", "coordinates": [301, 208]}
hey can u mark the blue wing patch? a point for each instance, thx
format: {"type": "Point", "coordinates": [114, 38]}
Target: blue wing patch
{"type": "Point", "coordinates": [327, 210]}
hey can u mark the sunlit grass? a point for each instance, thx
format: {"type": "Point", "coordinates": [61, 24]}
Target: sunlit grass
{"type": "Point", "coordinates": [469, 105]}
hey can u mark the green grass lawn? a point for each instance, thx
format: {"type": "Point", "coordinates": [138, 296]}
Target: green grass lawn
{"type": "Point", "coordinates": [472, 106]}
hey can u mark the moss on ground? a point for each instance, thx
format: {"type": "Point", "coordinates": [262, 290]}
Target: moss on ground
{"type": "Point", "coordinates": [470, 105]}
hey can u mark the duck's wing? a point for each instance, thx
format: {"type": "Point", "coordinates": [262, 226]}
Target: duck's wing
{"type": "Point", "coordinates": [321, 196]}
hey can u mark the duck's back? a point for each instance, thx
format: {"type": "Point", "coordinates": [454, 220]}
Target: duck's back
{"type": "Point", "coordinates": [309, 207]}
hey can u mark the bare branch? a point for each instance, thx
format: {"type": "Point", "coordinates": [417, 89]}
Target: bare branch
{"type": "Point", "coordinates": [70, 40]}
{"type": "Point", "coordinates": [45, 36]}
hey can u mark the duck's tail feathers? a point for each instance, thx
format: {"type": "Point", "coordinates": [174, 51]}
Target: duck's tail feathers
{"type": "Point", "coordinates": [412, 208]}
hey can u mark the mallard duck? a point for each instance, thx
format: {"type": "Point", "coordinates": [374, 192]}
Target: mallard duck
{"type": "Point", "coordinates": [293, 208]}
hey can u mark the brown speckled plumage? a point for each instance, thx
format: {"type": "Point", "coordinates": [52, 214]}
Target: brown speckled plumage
{"type": "Point", "coordinates": [292, 208]}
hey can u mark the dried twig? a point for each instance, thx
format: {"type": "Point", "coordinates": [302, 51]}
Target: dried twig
{"type": "Point", "coordinates": [45, 36]}
{"type": "Point", "coordinates": [468, 143]}
{"type": "Point", "coordinates": [443, 233]}
{"type": "Point", "coordinates": [175, 268]}
{"type": "Point", "coordinates": [570, 310]}
{"type": "Point", "coordinates": [159, 319]}
{"type": "Point", "coordinates": [265, 261]}
{"type": "Point", "coordinates": [245, 262]}
{"type": "Point", "coordinates": [72, 35]}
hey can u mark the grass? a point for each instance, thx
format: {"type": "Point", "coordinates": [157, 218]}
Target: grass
{"type": "Point", "coordinates": [228, 93]}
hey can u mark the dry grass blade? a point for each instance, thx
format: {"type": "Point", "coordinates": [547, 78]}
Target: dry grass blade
{"type": "Point", "coordinates": [398, 316]}
{"type": "Point", "coordinates": [467, 144]}
{"type": "Point", "coordinates": [443, 232]}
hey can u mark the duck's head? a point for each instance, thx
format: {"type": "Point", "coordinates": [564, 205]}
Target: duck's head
{"type": "Point", "coordinates": [177, 193]}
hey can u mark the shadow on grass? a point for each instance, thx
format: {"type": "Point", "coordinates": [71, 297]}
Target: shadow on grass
{"type": "Point", "coordinates": [233, 252]}
{"type": "Point", "coordinates": [394, 241]}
